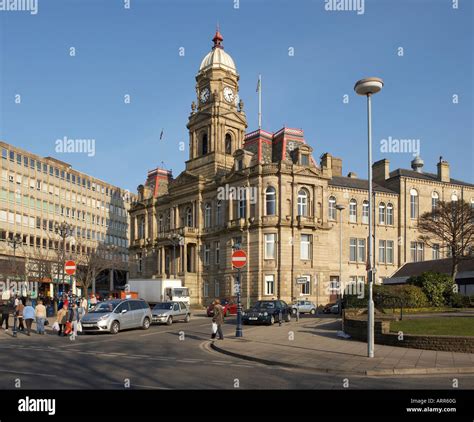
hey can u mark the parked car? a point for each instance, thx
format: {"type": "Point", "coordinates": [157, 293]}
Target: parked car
{"type": "Point", "coordinates": [327, 308]}
{"type": "Point", "coordinates": [267, 312]}
{"type": "Point", "coordinates": [116, 315]}
{"type": "Point", "coordinates": [334, 309]}
{"type": "Point", "coordinates": [229, 305]}
{"type": "Point", "coordinates": [169, 312]}
{"type": "Point", "coordinates": [304, 307]}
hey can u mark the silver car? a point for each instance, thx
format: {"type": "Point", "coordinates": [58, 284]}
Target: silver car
{"type": "Point", "coordinates": [116, 315]}
{"type": "Point", "coordinates": [168, 312]}
{"type": "Point", "coordinates": [303, 307]}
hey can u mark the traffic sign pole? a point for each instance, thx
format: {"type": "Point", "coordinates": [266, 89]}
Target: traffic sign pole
{"type": "Point", "coordinates": [238, 329]}
{"type": "Point", "coordinates": [239, 260]}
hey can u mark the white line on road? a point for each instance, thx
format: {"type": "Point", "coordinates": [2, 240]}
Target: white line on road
{"type": "Point", "coordinates": [28, 373]}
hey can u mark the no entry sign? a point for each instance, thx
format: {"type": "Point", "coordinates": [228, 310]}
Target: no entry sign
{"type": "Point", "coordinates": [239, 259]}
{"type": "Point", "coordinates": [70, 267]}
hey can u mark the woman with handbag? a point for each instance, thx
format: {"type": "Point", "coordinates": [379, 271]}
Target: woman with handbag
{"type": "Point", "coordinates": [62, 319]}
{"type": "Point", "coordinates": [19, 313]}
{"type": "Point", "coordinates": [217, 320]}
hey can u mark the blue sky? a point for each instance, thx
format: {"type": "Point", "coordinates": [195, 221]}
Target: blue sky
{"type": "Point", "coordinates": [135, 52]}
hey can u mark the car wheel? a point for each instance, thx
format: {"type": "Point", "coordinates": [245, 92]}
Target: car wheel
{"type": "Point", "coordinates": [293, 311]}
{"type": "Point", "coordinates": [169, 321]}
{"type": "Point", "coordinates": [188, 318]}
{"type": "Point", "coordinates": [313, 311]}
{"type": "Point", "coordinates": [272, 320]}
{"type": "Point", "coordinates": [115, 327]}
{"type": "Point", "coordinates": [288, 317]}
{"type": "Point", "coordinates": [146, 323]}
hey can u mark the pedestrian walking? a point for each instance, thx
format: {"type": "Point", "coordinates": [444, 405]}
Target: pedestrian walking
{"type": "Point", "coordinates": [28, 316]}
{"type": "Point", "coordinates": [40, 314]}
{"type": "Point", "coordinates": [5, 313]}
{"type": "Point", "coordinates": [19, 313]}
{"type": "Point", "coordinates": [74, 319]}
{"type": "Point", "coordinates": [62, 319]}
{"type": "Point", "coordinates": [218, 320]}
{"type": "Point", "coordinates": [84, 305]}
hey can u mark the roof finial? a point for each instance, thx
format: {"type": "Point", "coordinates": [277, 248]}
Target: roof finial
{"type": "Point", "coordinates": [218, 38]}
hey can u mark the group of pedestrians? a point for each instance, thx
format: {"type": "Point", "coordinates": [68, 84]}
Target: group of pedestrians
{"type": "Point", "coordinates": [69, 317]}
{"type": "Point", "coordinates": [26, 312]}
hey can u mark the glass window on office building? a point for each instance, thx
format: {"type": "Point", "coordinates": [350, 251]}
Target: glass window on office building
{"type": "Point", "coordinates": [305, 247]}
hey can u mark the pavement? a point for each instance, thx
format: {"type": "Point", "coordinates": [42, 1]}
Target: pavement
{"type": "Point", "coordinates": [313, 344]}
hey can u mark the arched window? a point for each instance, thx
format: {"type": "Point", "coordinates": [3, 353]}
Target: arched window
{"type": "Point", "coordinates": [270, 200]}
{"type": "Point", "coordinates": [382, 213]}
{"type": "Point", "coordinates": [434, 202]}
{"type": "Point", "coordinates": [207, 215]}
{"type": "Point", "coordinates": [189, 217]}
{"type": "Point", "coordinates": [413, 204]}
{"type": "Point", "coordinates": [303, 202]}
{"type": "Point", "coordinates": [332, 208]}
{"type": "Point", "coordinates": [390, 214]}
{"type": "Point", "coordinates": [204, 144]}
{"type": "Point", "coordinates": [353, 211]}
{"type": "Point", "coordinates": [228, 144]}
{"type": "Point", "coordinates": [365, 212]}
{"type": "Point", "coordinates": [454, 197]}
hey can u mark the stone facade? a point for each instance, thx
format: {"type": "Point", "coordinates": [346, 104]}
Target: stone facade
{"type": "Point", "coordinates": [288, 223]}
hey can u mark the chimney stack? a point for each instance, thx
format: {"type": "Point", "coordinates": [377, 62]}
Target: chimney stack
{"type": "Point", "coordinates": [381, 170]}
{"type": "Point", "coordinates": [443, 170]}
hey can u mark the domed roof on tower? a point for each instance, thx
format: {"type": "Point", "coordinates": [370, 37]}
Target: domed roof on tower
{"type": "Point", "coordinates": [217, 58]}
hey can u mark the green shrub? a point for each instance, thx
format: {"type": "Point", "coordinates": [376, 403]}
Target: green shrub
{"type": "Point", "coordinates": [460, 301]}
{"type": "Point", "coordinates": [437, 287]}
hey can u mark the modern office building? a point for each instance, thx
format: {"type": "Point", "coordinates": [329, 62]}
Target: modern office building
{"type": "Point", "coordinates": [37, 196]}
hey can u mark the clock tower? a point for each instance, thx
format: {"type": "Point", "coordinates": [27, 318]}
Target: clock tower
{"type": "Point", "coordinates": [217, 122]}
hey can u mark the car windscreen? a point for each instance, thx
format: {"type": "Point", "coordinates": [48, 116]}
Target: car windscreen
{"type": "Point", "coordinates": [181, 292]}
{"type": "Point", "coordinates": [164, 305]}
{"type": "Point", "coordinates": [265, 305]}
{"type": "Point", "coordinates": [104, 307]}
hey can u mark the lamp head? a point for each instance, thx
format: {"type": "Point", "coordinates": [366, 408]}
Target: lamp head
{"type": "Point", "coordinates": [368, 86]}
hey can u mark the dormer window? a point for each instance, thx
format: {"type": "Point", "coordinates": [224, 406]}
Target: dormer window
{"type": "Point", "coordinates": [240, 164]}
{"type": "Point", "coordinates": [304, 160]}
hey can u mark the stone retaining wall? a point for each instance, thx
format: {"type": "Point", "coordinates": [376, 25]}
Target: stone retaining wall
{"type": "Point", "coordinates": [356, 327]}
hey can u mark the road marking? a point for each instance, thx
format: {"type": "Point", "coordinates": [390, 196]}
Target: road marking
{"type": "Point", "coordinates": [28, 373]}
{"type": "Point", "coordinates": [157, 332]}
{"type": "Point", "coordinates": [141, 386]}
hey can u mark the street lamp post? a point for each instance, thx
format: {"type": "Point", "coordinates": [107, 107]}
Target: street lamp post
{"type": "Point", "coordinates": [340, 208]}
{"type": "Point", "coordinates": [15, 242]}
{"type": "Point", "coordinates": [64, 230]}
{"type": "Point", "coordinates": [368, 87]}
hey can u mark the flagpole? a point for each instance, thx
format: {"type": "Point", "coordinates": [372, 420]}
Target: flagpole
{"type": "Point", "coordinates": [259, 101]}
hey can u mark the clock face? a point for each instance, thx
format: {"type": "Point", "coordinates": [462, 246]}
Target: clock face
{"type": "Point", "coordinates": [204, 95]}
{"type": "Point", "coordinates": [228, 94]}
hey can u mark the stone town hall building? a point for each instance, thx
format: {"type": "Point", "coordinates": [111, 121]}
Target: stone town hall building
{"type": "Point", "coordinates": [285, 218]}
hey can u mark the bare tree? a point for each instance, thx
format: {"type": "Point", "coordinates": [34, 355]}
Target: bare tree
{"type": "Point", "coordinates": [451, 226]}
{"type": "Point", "coordinates": [90, 265]}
